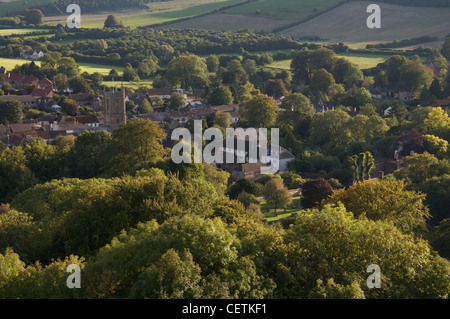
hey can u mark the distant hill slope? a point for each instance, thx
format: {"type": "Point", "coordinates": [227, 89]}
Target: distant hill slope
{"type": "Point", "coordinates": [417, 3]}
{"type": "Point", "coordinates": [347, 23]}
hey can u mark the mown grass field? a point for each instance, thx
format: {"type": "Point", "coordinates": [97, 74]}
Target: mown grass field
{"type": "Point", "coordinates": [347, 23]}
{"type": "Point", "coordinates": [364, 61]}
{"type": "Point", "coordinates": [269, 210]}
{"type": "Point", "coordinates": [8, 32]}
{"type": "Point", "coordinates": [177, 9]}
{"type": "Point", "coordinates": [9, 64]}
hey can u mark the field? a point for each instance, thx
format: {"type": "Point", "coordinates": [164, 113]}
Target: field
{"type": "Point", "coordinates": [228, 22]}
{"type": "Point", "coordinates": [271, 14]}
{"type": "Point", "coordinates": [364, 61]}
{"type": "Point", "coordinates": [283, 9]}
{"type": "Point", "coordinates": [9, 64]}
{"type": "Point", "coordinates": [177, 9]}
{"type": "Point", "coordinates": [8, 32]}
{"type": "Point", "coordinates": [269, 210]}
{"type": "Point", "coordinates": [347, 23]}
{"type": "Point", "coordinates": [17, 5]}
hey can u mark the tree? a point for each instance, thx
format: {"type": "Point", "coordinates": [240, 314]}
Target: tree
{"type": "Point", "coordinates": [61, 82]}
{"type": "Point", "coordinates": [187, 70]}
{"type": "Point", "coordinates": [321, 82]}
{"type": "Point", "coordinates": [177, 101]}
{"type": "Point", "coordinates": [133, 144]}
{"type": "Point", "coordinates": [34, 16]}
{"type": "Point", "coordinates": [298, 109]}
{"type": "Point", "coordinates": [275, 88]}
{"type": "Point", "coordinates": [112, 22]}
{"type": "Point", "coordinates": [420, 167]}
{"type": "Point", "coordinates": [441, 237]}
{"type": "Point", "coordinates": [68, 66]}
{"type": "Point", "coordinates": [438, 123]}
{"type": "Point", "coordinates": [435, 89]}
{"type": "Point", "coordinates": [222, 119]}
{"type": "Point", "coordinates": [15, 176]}
{"type": "Point", "coordinates": [393, 66]}
{"type": "Point", "coordinates": [437, 190]}
{"type": "Point", "coordinates": [315, 191]}
{"type": "Point", "coordinates": [259, 111]}
{"type": "Point", "coordinates": [172, 277]}
{"type": "Point", "coordinates": [147, 68]}
{"type": "Point", "coordinates": [129, 74]}
{"type": "Point", "coordinates": [212, 63]}
{"type": "Point", "coordinates": [337, 244]}
{"type": "Point", "coordinates": [221, 96]}
{"type": "Point", "coordinates": [276, 193]}
{"type": "Point", "coordinates": [362, 97]}
{"type": "Point", "coordinates": [361, 165]}
{"type": "Point", "coordinates": [436, 146]}
{"type": "Point", "coordinates": [146, 107]}
{"type": "Point", "coordinates": [385, 200]}
{"type": "Point", "coordinates": [11, 112]}
{"type": "Point", "coordinates": [414, 76]}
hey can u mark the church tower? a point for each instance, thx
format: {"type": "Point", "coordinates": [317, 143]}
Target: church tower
{"type": "Point", "coordinates": [114, 104]}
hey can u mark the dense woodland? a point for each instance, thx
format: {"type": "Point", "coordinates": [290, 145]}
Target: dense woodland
{"type": "Point", "coordinates": [142, 227]}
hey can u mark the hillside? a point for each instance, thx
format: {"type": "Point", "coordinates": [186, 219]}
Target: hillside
{"type": "Point", "coordinates": [347, 23]}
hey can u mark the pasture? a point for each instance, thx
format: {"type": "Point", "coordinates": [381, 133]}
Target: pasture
{"type": "Point", "coordinates": [9, 64]}
{"type": "Point", "coordinates": [347, 24]}
{"type": "Point", "coordinates": [174, 10]}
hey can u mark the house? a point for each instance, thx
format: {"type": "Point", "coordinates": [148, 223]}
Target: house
{"type": "Point", "coordinates": [31, 54]}
{"type": "Point", "coordinates": [406, 96]}
{"type": "Point", "coordinates": [24, 127]}
{"type": "Point", "coordinates": [85, 99]}
{"type": "Point", "coordinates": [376, 93]}
{"type": "Point", "coordinates": [443, 103]}
{"type": "Point", "coordinates": [232, 109]}
{"type": "Point", "coordinates": [157, 117]}
{"type": "Point", "coordinates": [5, 73]}
{"type": "Point", "coordinates": [163, 93]}
{"type": "Point", "coordinates": [285, 158]}
{"type": "Point", "coordinates": [319, 106]}
{"type": "Point", "coordinates": [28, 101]}
{"type": "Point", "coordinates": [45, 84]}
{"type": "Point", "coordinates": [38, 93]}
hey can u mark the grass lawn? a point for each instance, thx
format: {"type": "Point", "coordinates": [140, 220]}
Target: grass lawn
{"type": "Point", "coordinates": [7, 32]}
{"type": "Point", "coordinates": [282, 65]}
{"type": "Point", "coordinates": [364, 61]}
{"type": "Point", "coordinates": [9, 64]}
{"type": "Point", "coordinates": [272, 217]}
{"type": "Point", "coordinates": [133, 85]}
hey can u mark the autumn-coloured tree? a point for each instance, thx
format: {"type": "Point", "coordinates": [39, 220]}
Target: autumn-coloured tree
{"type": "Point", "coordinates": [315, 191]}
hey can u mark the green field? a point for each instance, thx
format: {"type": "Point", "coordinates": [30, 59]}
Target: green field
{"type": "Point", "coordinates": [269, 210]}
{"type": "Point", "coordinates": [177, 9]}
{"type": "Point", "coordinates": [364, 61]}
{"type": "Point", "coordinates": [134, 85]}
{"type": "Point", "coordinates": [17, 5]}
{"type": "Point", "coordinates": [283, 9]}
{"type": "Point", "coordinates": [9, 64]}
{"type": "Point", "coordinates": [347, 24]}
{"type": "Point", "coordinates": [7, 32]}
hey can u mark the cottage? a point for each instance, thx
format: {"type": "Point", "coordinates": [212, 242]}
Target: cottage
{"type": "Point", "coordinates": [28, 101]}
{"type": "Point", "coordinates": [406, 96]}
{"type": "Point", "coordinates": [31, 54]}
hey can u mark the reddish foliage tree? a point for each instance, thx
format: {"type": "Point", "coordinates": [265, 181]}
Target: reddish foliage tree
{"type": "Point", "coordinates": [314, 191]}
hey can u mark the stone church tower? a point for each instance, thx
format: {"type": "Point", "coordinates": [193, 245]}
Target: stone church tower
{"type": "Point", "coordinates": [114, 104]}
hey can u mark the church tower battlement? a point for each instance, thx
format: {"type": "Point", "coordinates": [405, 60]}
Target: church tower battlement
{"type": "Point", "coordinates": [114, 104]}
